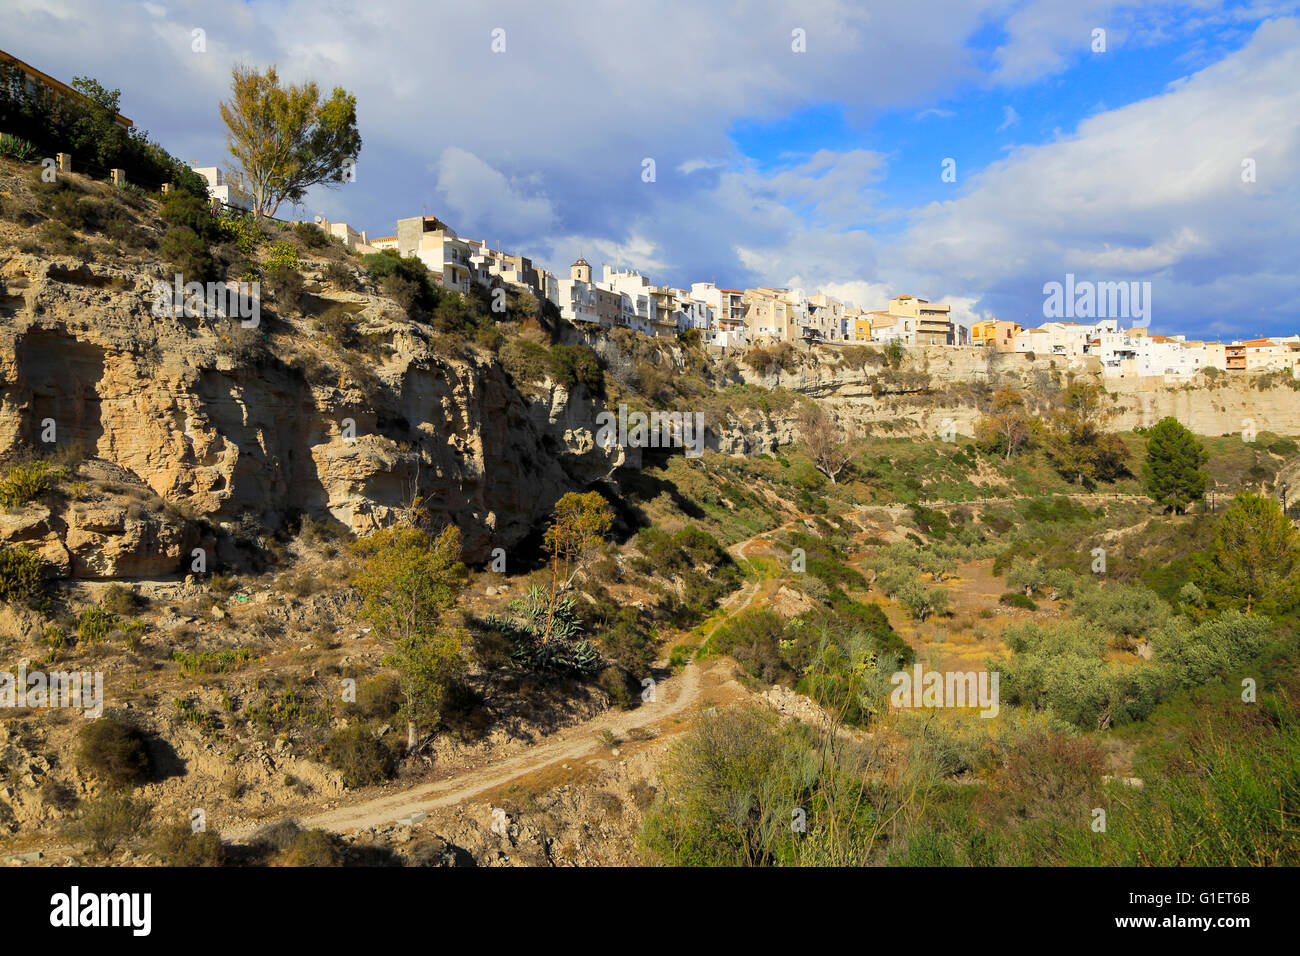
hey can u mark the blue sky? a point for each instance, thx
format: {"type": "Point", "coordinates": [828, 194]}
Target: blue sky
{"type": "Point", "coordinates": [813, 169]}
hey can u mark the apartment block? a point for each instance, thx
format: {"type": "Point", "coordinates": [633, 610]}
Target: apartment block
{"type": "Point", "coordinates": [930, 321]}
{"type": "Point", "coordinates": [436, 244]}
{"type": "Point", "coordinates": [727, 327]}
{"type": "Point", "coordinates": [35, 82]}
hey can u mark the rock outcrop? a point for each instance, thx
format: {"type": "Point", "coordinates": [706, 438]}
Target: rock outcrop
{"type": "Point", "coordinates": [233, 424]}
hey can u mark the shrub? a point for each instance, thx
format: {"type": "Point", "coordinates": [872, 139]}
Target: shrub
{"type": "Point", "coordinates": [114, 751]}
{"type": "Point", "coordinates": [187, 255]}
{"type": "Point", "coordinates": [94, 625]}
{"type": "Point", "coordinates": [286, 284]}
{"type": "Point", "coordinates": [242, 232]}
{"type": "Point", "coordinates": [629, 645]}
{"type": "Point", "coordinates": [313, 848]}
{"type": "Point", "coordinates": [282, 254]}
{"type": "Point", "coordinates": [1062, 668]}
{"type": "Point", "coordinates": [377, 699]}
{"type": "Point", "coordinates": [572, 365]}
{"type": "Point", "coordinates": [414, 274]}
{"type": "Point", "coordinates": [118, 600]}
{"type": "Point", "coordinates": [1026, 577]}
{"type": "Point", "coordinates": [754, 638]}
{"type": "Point", "coordinates": [930, 521]}
{"type": "Point", "coordinates": [60, 240]}
{"type": "Point", "coordinates": [1063, 581]}
{"type": "Point", "coordinates": [340, 275]}
{"type": "Point", "coordinates": [25, 483]}
{"type": "Point", "coordinates": [178, 845]}
{"type": "Point", "coordinates": [110, 820]}
{"type": "Point", "coordinates": [210, 662]}
{"type": "Point", "coordinates": [184, 211]}
{"type": "Point", "coordinates": [614, 682]}
{"type": "Point", "coordinates": [1212, 650]}
{"type": "Point", "coordinates": [311, 235]}
{"type": "Point", "coordinates": [15, 147]}
{"type": "Point", "coordinates": [361, 757]}
{"type": "Point", "coordinates": [525, 361]}
{"type": "Point", "coordinates": [1125, 610]}
{"type": "Point", "coordinates": [566, 650]}
{"type": "Point", "coordinates": [338, 323]}
{"type": "Point", "coordinates": [22, 576]}
{"type": "Point", "coordinates": [401, 290]}
{"type": "Point", "coordinates": [246, 347]}
{"type": "Point", "coordinates": [1016, 599]}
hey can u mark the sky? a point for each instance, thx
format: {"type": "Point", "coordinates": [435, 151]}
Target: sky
{"type": "Point", "coordinates": [798, 145]}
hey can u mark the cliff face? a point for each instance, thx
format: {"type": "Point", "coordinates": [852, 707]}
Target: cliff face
{"type": "Point", "coordinates": [855, 395]}
{"type": "Point", "coordinates": [216, 424]}
{"type": "Point", "coordinates": [196, 418]}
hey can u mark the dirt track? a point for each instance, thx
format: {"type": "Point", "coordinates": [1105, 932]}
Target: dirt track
{"type": "Point", "coordinates": [674, 696]}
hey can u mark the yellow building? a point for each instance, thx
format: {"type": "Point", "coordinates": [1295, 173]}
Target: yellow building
{"type": "Point", "coordinates": [930, 322]}
{"type": "Point", "coordinates": [995, 334]}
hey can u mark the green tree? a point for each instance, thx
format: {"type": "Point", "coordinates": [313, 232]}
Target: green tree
{"type": "Point", "coordinates": [96, 132]}
{"type": "Point", "coordinates": [578, 526]}
{"type": "Point", "coordinates": [1079, 446]}
{"type": "Point", "coordinates": [1254, 558]}
{"type": "Point", "coordinates": [1025, 576]}
{"type": "Point", "coordinates": [922, 602]}
{"type": "Point", "coordinates": [286, 139]}
{"type": "Point", "coordinates": [1008, 427]}
{"type": "Point", "coordinates": [407, 580]}
{"type": "Point", "coordinates": [1173, 472]}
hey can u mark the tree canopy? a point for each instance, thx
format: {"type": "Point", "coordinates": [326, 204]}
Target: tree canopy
{"type": "Point", "coordinates": [407, 579]}
{"type": "Point", "coordinates": [1173, 472]}
{"type": "Point", "coordinates": [1254, 558]}
{"type": "Point", "coordinates": [286, 139]}
{"type": "Point", "coordinates": [1079, 446]}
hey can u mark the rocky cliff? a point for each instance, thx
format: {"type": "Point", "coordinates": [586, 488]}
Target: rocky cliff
{"type": "Point", "coordinates": [935, 384]}
{"type": "Point", "coordinates": [255, 426]}
{"type": "Point", "coordinates": [195, 430]}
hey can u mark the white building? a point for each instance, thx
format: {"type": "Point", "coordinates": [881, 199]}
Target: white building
{"type": "Point", "coordinates": [576, 299]}
{"type": "Point", "coordinates": [346, 234]}
{"type": "Point", "coordinates": [639, 308]}
{"type": "Point", "coordinates": [221, 191]}
{"type": "Point", "coordinates": [1117, 353]}
{"type": "Point", "coordinates": [728, 306]}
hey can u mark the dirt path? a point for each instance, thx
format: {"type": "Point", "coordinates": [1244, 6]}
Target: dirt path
{"type": "Point", "coordinates": [674, 697]}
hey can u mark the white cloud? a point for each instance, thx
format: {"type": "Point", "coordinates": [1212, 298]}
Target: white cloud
{"type": "Point", "coordinates": [471, 191]}
{"type": "Point", "coordinates": [1153, 190]}
{"type": "Point", "coordinates": [541, 147]}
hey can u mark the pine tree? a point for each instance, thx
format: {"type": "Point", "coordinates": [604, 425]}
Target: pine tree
{"type": "Point", "coordinates": [1173, 468]}
{"type": "Point", "coordinates": [1254, 560]}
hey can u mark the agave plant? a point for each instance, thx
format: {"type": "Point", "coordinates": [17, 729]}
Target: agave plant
{"type": "Point", "coordinates": [564, 649]}
{"type": "Point", "coordinates": [16, 147]}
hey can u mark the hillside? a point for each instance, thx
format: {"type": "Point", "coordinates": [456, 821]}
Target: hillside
{"type": "Point", "coordinates": [213, 516]}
